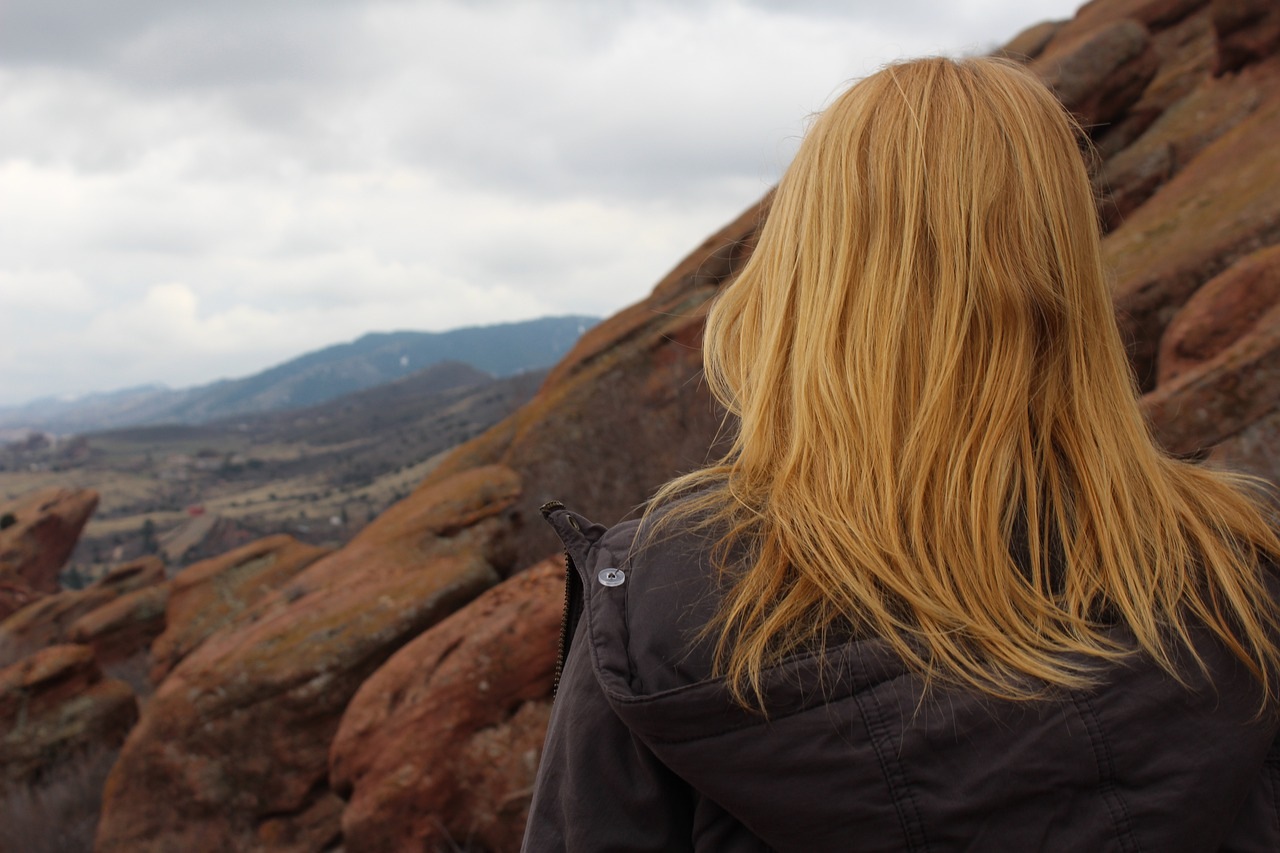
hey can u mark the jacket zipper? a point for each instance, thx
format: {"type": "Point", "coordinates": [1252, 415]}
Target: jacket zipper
{"type": "Point", "coordinates": [572, 602]}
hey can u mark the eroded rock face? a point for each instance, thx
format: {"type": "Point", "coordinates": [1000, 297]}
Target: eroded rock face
{"type": "Point", "coordinates": [213, 593]}
{"type": "Point", "coordinates": [45, 622]}
{"type": "Point", "coordinates": [1221, 313]}
{"type": "Point", "coordinates": [55, 705]}
{"type": "Point", "coordinates": [232, 751]}
{"type": "Point", "coordinates": [120, 629]}
{"type": "Point", "coordinates": [442, 743]}
{"type": "Point", "coordinates": [1101, 73]}
{"type": "Point", "coordinates": [40, 531]}
{"type": "Point", "coordinates": [1247, 30]}
{"type": "Point", "coordinates": [1222, 206]}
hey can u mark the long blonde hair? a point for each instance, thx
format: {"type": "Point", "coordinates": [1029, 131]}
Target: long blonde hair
{"type": "Point", "coordinates": [921, 365]}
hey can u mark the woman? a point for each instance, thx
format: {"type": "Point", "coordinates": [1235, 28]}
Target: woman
{"type": "Point", "coordinates": [943, 593]}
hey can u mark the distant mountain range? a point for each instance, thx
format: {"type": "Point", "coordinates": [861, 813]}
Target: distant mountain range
{"type": "Point", "coordinates": [310, 379]}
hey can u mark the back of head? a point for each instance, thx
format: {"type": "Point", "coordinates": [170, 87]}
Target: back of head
{"type": "Point", "coordinates": [923, 365]}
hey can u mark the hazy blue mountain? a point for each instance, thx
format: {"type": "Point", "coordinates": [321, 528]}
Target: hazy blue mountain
{"type": "Point", "coordinates": [312, 378]}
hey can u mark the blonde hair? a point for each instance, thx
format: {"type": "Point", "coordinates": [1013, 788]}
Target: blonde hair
{"type": "Point", "coordinates": [922, 365]}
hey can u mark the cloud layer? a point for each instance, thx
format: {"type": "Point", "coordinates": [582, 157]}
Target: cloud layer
{"type": "Point", "coordinates": [191, 190]}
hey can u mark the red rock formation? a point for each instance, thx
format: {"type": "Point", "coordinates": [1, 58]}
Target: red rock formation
{"type": "Point", "coordinates": [442, 743]}
{"type": "Point", "coordinates": [1221, 313]}
{"type": "Point", "coordinates": [119, 629]}
{"type": "Point", "coordinates": [1247, 31]}
{"type": "Point", "coordinates": [44, 529]}
{"type": "Point", "coordinates": [1100, 73]}
{"type": "Point", "coordinates": [55, 705]}
{"type": "Point", "coordinates": [45, 622]}
{"type": "Point", "coordinates": [1220, 207]}
{"type": "Point", "coordinates": [232, 751]}
{"type": "Point", "coordinates": [213, 593]}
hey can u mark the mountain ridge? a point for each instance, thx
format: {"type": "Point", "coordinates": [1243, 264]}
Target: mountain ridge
{"type": "Point", "coordinates": [309, 379]}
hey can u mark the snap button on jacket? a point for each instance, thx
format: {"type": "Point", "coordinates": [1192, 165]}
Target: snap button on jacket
{"type": "Point", "coordinates": [647, 752]}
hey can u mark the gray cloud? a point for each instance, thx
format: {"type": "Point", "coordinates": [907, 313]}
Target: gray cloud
{"type": "Point", "coordinates": [197, 189]}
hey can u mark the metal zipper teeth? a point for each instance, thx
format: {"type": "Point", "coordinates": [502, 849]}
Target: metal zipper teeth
{"type": "Point", "coordinates": [562, 652]}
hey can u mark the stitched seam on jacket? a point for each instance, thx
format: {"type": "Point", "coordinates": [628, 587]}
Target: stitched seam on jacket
{"type": "Point", "coordinates": [895, 780]}
{"type": "Point", "coordinates": [633, 671]}
{"type": "Point", "coordinates": [1107, 787]}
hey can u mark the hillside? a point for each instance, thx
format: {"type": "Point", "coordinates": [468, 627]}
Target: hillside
{"type": "Point", "coordinates": [316, 377]}
{"type": "Point", "coordinates": [320, 473]}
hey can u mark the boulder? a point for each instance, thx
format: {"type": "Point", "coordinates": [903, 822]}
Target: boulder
{"type": "Point", "coordinates": [1222, 312]}
{"type": "Point", "coordinates": [1222, 206]}
{"type": "Point", "coordinates": [45, 621]}
{"type": "Point", "coordinates": [1247, 31]}
{"type": "Point", "coordinates": [15, 595]}
{"type": "Point", "coordinates": [54, 706]}
{"type": "Point", "coordinates": [1155, 15]}
{"type": "Point", "coordinates": [119, 629]}
{"type": "Point", "coordinates": [135, 574]}
{"type": "Point", "coordinates": [441, 744]}
{"type": "Point", "coordinates": [232, 750]}
{"type": "Point", "coordinates": [1219, 397]}
{"type": "Point", "coordinates": [1173, 139]}
{"type": "Point", "coordinates": [213, 593]}
{"type": "Point", "coordinates": [37, 535]}
{"type": "Point", "coordinates": [1100, 73]}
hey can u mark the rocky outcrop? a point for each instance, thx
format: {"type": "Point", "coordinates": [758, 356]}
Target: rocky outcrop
{"type": "Point", "coordinates": [232, 750]}
{"type": "Point", "coordinates": [54, 706]}
{"type": "Point", "coordinates": [213, 593]}
{"type": "Point", "coordinates": [1221, 313]}
{"type": "Point", "coordinates": [1219, 208]}
{"type": "Point", "coordinates": [441, 744]}
{"type": "Point", "coordinates": [37, 533]}
{"type": "Point", "coordinates": [1247, 31]}
{"type": "Point", "coordinates": [120, 629]}
{"type": "Point", "coordinates": [1099, 74]}
{"type": "Point", "coordinates": [46, 621]}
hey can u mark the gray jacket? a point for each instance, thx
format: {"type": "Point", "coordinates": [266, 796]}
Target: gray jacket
{"type": "Point", "coordinates": [646, 752]}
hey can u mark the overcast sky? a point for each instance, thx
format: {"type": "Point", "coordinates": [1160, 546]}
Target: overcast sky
{"type": "Point", "coordinates": [194, 189]}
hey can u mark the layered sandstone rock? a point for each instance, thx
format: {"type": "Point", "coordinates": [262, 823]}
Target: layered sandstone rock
{"type": "Point", "coordinates": [55, 705]}
{"type": "Point", "coordinates": [46, 621]}
{"type": "Point", "coordinates": [1222, 206]}
{"type": "Point", "coordinates": [441, 744]}
{"type": "Point", "coordinates": [1100, 73]}
{"type": "Point", "coordinates": [38, 533]}
{"type": "Point", "coordinates": [213, 593]}
{"type": "Point", "coordinates": [1228, 308]}
{"type": "Point", "coordinates": [122, 628]}
{"type": "Point", "coordinates": [232, 751]}
{"type": "Point", "coordinates": [1248, 30]}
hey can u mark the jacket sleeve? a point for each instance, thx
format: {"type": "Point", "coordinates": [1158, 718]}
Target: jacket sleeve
{"type": "Point", "coordinates": [598, 788]}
